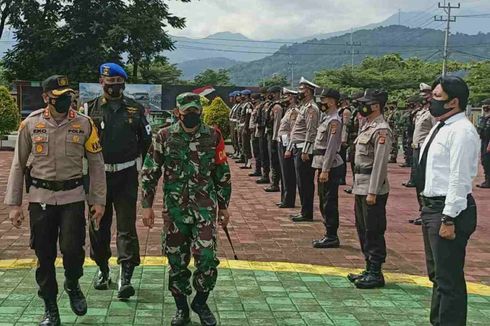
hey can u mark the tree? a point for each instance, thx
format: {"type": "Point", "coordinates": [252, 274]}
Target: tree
{"type": "Point", "coordinates": [144, 22]}
{"type": "Point", "coordinates": [7, 9]}
{"type": "Point", "coordinates": [219, 77]}
{"type": "Point", "coordinates": [158, 71]}
{"type": "Point", "coordinates": [217, 115]}
{"type": "Point", "coordinates": [275, 80]}
{"type": "Point", "coordinates": [8, 111]}
{"type": "Point", "coordinates": [479, 82]}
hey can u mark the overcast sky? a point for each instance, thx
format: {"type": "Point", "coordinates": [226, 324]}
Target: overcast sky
{"type": "Point", "coordinates": [266, 19]}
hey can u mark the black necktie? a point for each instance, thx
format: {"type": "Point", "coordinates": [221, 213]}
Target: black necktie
{"type": "Point", "coordinates": [422, 166]}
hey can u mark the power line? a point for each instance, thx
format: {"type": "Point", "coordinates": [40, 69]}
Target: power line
{"type": "Point", "coordinates": [473, 55]}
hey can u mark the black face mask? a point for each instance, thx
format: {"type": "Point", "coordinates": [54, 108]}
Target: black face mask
{"type": "Point", "coordinates": [437, 108]}
{"type": "Point", "coordinates": [191, 119]}
{"type": "Point", "coordinates": [270, 97]}
{"type": "Point", "coordinates": [301, 96]}
{"type": "Point", "coordinates": [366, 110]}
{"type": "Point", "coordinates": [61, 104]}
{"type": "Point", "coordinates": [323, 107]}
{"type": "Point", "coordinates": [114, 90]}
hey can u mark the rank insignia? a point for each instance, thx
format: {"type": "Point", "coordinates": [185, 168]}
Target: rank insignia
{"type": "Point", "coordinates": [72, 114]}
{"type": "Point", "coordinates": [39, 148]}
{"type": "Point", "coordinates": [76, 139]}
{"type": "Point", "coordinates": [40, 125]}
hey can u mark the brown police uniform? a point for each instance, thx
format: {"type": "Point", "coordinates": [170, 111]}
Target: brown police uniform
{"type": "Point", "coordinates": [56, 194]}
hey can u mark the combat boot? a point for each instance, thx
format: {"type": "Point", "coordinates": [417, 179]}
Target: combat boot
{"type": "Point", "coordinates": [352, 277]}
{"type": "Point", "coordinates": [272, 188]}
{"type": "Point", "coordinates": [329, 241]}
{"type": "Point", "coordinates": [200, 307]}
{"type": "Point", "coordinates": [78, 303]}
{"type": "Point", "coordinates": [303, 218]}
{"type": "Point", "coordinates": [247, 166]}
{"type": "Point", "coordinates": [51, 313]}
{"type": "Point", "coordinates": [181, 317]}
{"type": "Point", "coordinates": [125, 289]}
{"type": "Point", "coordinates": [373, 279]}
{"type": "Point", "coordinates": [256, 173]}
{"type": "Point", "coordinates": [264, 180]}
{"type": "Point", "coordinates": [103, 280]}
{"type": "Point", "coordinates": [348, 190]}
{"type": "Point", "coordinates": [485, 184]}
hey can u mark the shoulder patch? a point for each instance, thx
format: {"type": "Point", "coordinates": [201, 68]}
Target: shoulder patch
{"type": "Point", "coordinates": [220, 154]}
{"type": "Point", "coordinates": [22, 126]}
{"type": "Point", "coordinates": [92, 145]}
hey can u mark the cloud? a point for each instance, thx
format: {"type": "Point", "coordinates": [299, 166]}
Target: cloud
{"type": "Point", "coordinates": [268, 19]}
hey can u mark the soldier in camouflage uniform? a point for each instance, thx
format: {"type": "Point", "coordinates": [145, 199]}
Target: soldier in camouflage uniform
{"type": "Point", "coordinates": [415, 104]}
{"type": "Point", "coordinates": [352, 128]}
{"type": "Point", "coordinates": [391, 116]}
{"type": "Point", "coordinates": [197, 189]}
{"type": "Point", "coordinates": [484, 132]}
{"type": "Point", "coordinates": [260, 133]}
{"type": "Point", "coordinates": [256, 99]}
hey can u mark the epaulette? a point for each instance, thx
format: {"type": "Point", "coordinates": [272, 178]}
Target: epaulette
{"type": "Point", "coordinates": [35, 113]}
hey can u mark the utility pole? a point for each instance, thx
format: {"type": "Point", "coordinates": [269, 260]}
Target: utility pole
{"type": "Point", "coordinates": [291, 65]}
{"type": "Point", "coordinates": [399, 17]}
{"type": "Point", "coordinates": [352, 45]}
{"type": "Point", "coordinates": [449, 19]}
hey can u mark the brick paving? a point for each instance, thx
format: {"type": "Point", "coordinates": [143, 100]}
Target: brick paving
{"type": "Point", "coordinates": [263, 232]}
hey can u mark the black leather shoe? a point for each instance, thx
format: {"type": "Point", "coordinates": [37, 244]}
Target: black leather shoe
{"type": "Point", "coordinates": [327, 242]}
{"type": "Point", "coordinates": [263, 181]}
{"type": "Point", "coordinates": [352, 277]}
{"type": "Point", "coordinates": [181, 317]}
{"type": "Point", "coordinates": [417, 221]}
{"type": "Point", "coordinates": [272, 189]}
{"type": "Point", "coordinates": [373, 279]}
{"type": "Point", "coordinates": [348, 190]}
{"type": "Point", "coordinates": [240, 161]}
{"type": "Point", "coordinates": [103, 280]}
{"type": "Point", "coordinates": [283, 205]}
{"type": "Point", "coordinates": [78, 303]}
{"type": "Point", "coordinates": [255, 174]}
{"type": "Point", "coordinates": [295, 215]}
{"type": "Point", "coordinates": [125, 289]}
{"type": "Point", "coordinates": [409, 184]}
{"type": "Point", "coordinates": [302, 218]}
{"type": "Point", "coordinates": [51, 313]}
{"type": "Point", "coordinates": [200, 307]}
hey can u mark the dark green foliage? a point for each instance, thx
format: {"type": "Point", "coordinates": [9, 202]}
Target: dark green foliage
{"type": "Point", "coordinates": [8, 111]}
{"type": "Point", "coordinates": [217, 115]}
{"type": "Point", "coordinates": [275, 80]}
{"type": "Point", "coordinates": [219, 77]}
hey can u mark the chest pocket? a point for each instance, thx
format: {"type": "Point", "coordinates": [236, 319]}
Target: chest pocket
{"type": "Point", "coordinates": [75, 145]}
{"type": "Point", "coordinates": [40, 145]}
{"type": "Point", "coordinates": [175, 156]}
{"type": "Point", "coordinates": [362, 142]}
{"type": "Point", "coordinates": [206, 152]}
{"type": "Point", "coordinates": [322, 133]}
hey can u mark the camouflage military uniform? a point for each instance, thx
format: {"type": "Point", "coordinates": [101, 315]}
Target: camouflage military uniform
{"type": "Point", "coordinates": [391, 116]}
{"type": "Point", "coordinates": [196, 183]}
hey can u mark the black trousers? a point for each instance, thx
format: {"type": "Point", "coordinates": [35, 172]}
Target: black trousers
{"type": "Point", "coordinates": [66, 222]}
{"type": "Point", "coordinates": [264, 154]}
{"type": "Point", "coordinates": [272, 147]}
{"type": "Point", "coordinates": [246, 145]}
{"type": "Point", "coordinates": [328, 193]}
{"type": "Point", "coordinates": [445, 264]}
{"type": "Point", "coordinates": [371, 227]}
{"type": "Point", "coordinates": [256, 154]}
{"type": "Point", "coordinates": [122, 193]}
{"type": "Point", "coordinates": [305, 176]}
{"type": "Point", "coordinates": [415, 163]}
{"type": "Point", "coordinates": [288, 175]}
{"type": "Point", "coordinates": [485, 160]}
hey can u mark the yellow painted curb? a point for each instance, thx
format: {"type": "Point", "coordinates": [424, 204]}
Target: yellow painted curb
{"type": "Point", "coordinates": [473, 288]}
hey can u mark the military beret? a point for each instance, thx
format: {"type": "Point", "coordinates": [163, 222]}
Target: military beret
{"type": "Point", "coordinates": [232, 94]}
{"type": "Point", "coordinates": [372, 95]}
{"type": "Point", "coordinates": [246, 92]}
{"type": "Point", "coordinates": [57, 85]}
{"type": "Point", "coordinates": [112, 70]}
{"type": "Point", "coordinates": [274, 89]}
{"type": "Point", "coordinates": [188, 100]}
{"type": "Point", "coordinates": [327, 92]}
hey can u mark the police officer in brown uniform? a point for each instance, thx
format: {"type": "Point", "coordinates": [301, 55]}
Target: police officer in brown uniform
{"type": "Point", "coordinates": [329, 164]}
{"type": "Point", "coordinates": [302, 140]}
{"type": "Point", "coordinates": [57, 138]}
{"type": "Point", "coordinates": [273, 119]}
{"type": "Point", "coordinates": [125, 135]}
{"type": "Point", "coordinates": [288, 173]}
{"type": "Point", "coordinates": [373, 146]}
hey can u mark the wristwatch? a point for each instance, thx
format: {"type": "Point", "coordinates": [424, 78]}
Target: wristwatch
{"type": "Point", "coordinates": [447, 220]}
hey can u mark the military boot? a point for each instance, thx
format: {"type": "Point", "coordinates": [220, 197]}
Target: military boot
{"type": "Point", "coordinates": [256, 173]}
{"type": "Point", "coordinates": [200, 307]}
{"type": "Point", "coordinates": [276, 177]}
{"type": "Point", "coordinates": [51, 313]}
{"type": "Point", "coordinates": [485, 184]}
{"type": "Point", "coordinates": [373, 279]}
{"type": "Point", "coordinates": [353, 276]}
{"type": "Point", "coordinates": [103, 280]}
{"type": "Point", "coordinates": [181, 317]}
{"type": "Point", "coordinates": [264, 180]}
{"type": "Point", "coordinates": [303, 218]}
{"type": "Point", "coordinates": [247, 166]}
{"type": "Point", "coordinates": [78, 303]}
{"type": "Point", "coordinates": [125, 289]}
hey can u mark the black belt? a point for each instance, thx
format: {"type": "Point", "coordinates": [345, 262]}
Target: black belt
{"type": "Point", "coordinates": [359, 170]}
{"type": "Point", "coordinates": [57, 185]}
{"type": "Point", "coordinates": [437, 203]}
{"type": "Point", "coordinates": [319, 152]}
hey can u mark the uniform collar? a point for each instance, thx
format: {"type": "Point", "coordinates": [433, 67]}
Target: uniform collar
{"type": "Point", "coordinates": [455, 118]}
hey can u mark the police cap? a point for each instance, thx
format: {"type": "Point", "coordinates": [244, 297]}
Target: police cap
{"type": "Point", "coordinates": [57, 85]}
{"type": "Point", "coordinates": [327, 92]}
{"type": "Point", "coordinates": [274, 89]}
{"type": "Point", "coordinates": [372, 95]}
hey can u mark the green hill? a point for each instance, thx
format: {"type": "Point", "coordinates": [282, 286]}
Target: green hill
{"type": "Point", "coordinates": [314, 55]}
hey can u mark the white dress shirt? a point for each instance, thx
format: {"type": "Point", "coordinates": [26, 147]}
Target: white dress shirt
{"type": "Point", "coordinates": [452, 163]}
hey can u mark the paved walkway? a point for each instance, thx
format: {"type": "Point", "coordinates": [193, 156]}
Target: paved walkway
{"type": "Point", "coordinates": [248, 294]}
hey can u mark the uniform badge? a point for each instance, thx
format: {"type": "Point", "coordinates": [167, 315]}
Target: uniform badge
{"type": "Point", "coordinates": [76, 139]}
{"type": "Point", "coordinates": [21, 126]}
{"type": "Point", "coordinates": [106, 71]}
{"type": "Point", "coordinates": [382, 138]}
{"type": "Point", "coordinates": [333, 130]}
{"type": "Point", "coordinates": [39, 148]}
{"type": "Point", "coordinates": [46, 113]}
{"type": "Point", "coordinates": [76, 126]}
{"type": "Point", "coordinates": [102, 125]}
{"type": "Point", "coordinates": [72, 114]}
{"type": "Point", "coordinates": [40, 125]}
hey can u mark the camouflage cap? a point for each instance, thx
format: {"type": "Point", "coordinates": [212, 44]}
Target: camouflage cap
{"type": "Point", "coordinates": [188, 100]}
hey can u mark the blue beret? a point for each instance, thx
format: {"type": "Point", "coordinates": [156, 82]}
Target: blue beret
{"type": "Point", "coordinates": [233, 94]}
{"type": "Point", "coordinates": [112, 70]}
{"type": "Point", "coordinates": [246, 92]}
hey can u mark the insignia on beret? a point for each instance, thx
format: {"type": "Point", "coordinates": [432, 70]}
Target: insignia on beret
{"type": "Point", "coordinates": [106, 71]}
